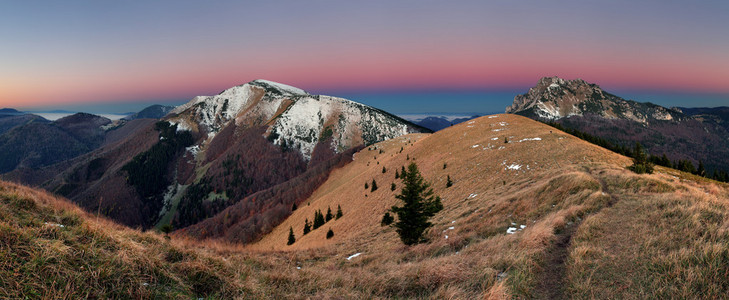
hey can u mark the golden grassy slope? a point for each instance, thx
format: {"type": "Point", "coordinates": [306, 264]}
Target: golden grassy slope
{"type": "Point", "coordinates": [633, 236]}
{"type": "Point", "coordinates": [568, 182]}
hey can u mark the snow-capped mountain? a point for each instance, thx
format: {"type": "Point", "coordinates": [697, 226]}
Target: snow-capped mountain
{"type": "Point", "coordinates": [555, 98]}
{"type": "Point", "coordinates": [293, 117]}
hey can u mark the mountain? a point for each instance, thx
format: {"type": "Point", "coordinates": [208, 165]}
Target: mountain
{"type": "Point", "coordinates": [436, 123]}
{"type": "Point", "coordinates": [29, 141]}
{"type": "Point", "coordinates": [545, 215]}
{"type": "Point", "coordinates": [215, 151]}
{"type": "Point", "coordinates": [10, 112]}
{"type": "Point", "coordinates": [586, 107]}
{"type": "Point", "coordinates": [152, 112]}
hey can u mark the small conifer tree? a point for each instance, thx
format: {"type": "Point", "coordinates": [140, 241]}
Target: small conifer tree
{"type": "Point", "coordinates": [640, 161]}
{"type": "Point", "coordinates": [384, 170]}
{"type": "Point", "coordinates": [419, 205]}
{"type": "Point", "coordinates": [318, 219]}
{"type": "Point", "coordinates": [330, 234]}
{"type": "Point", "coordinates": [292, 238]}
{"type": "Point", "coordinates": [339, 212]}
{"type": "Point", "coordinates": [307, 226]}
{"type": "Point", "coordinates": [449, 182]}
{"type": "Point", "coordinates": [329, 215]}
{"type": "Point", "coordinates": [397, 174]}
{"type": "Point", "coordinates": [387, 219]}
{"type": "Point", "coordinates": [374, 186]}
{"type": "Point", "coordinates": [393, 187]}
{"type": "Point", "coordinates": [293, 207]}
{"type": "Point", "coordinates": [166, 229]}
{"type": "Point", "coordinates": [367, 185]}
{"type": "Point", "coordinates": [701, 171]}
{"type": "Point", "coordinates": [506, 140]}
{"type": "Point", "coordinates": [445, 165]}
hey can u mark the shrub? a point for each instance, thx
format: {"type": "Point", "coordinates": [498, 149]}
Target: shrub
{"type": "Point", "coordinates": [387, 219]}
{"type": "Point", "coordinates": [330, 234]}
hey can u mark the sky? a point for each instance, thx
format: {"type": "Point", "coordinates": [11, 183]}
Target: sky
{"type": "Point", "coordinates": [402, 56]}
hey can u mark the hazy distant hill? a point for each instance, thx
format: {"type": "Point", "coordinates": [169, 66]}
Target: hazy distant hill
{"type": "Point", "coordinates": [693, 134]}
{"type": "Point", "coordinates": [436, 123]}
{"type": "Point", "coordinates": [29, 141]}
{"type": "Point", "coordinates": [152, 112]}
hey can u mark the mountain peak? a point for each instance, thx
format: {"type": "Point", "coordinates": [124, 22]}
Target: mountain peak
{"type": "Point", "coordinates": [555, 98]}
{"type": "Point", "coordinates": [278, 87]}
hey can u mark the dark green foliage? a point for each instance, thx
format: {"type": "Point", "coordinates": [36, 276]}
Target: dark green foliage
{"type": "Point", "coordinates": [384, 170]}
{"type": "Point", "coordinates": [701, 171]}
{"type": "Point", "coordinates": [401, 149]}
{"type": "Point", "coordinates": [339, 212]}
{"type": "Point", "coordinates": [686, 166]}
{"type": "Point", "coordinates": [407, 156]}
{"type": "Point", "coordinates": [307, 226]}
{"type": "Point", "coordinates": [293, 207]}
{"type": "Point", "coordinates": [387, 219]}
{"type": "Point", "coordinates": [166, 229]}
{"type": "Point", "coordinates": [445, 165]}
{"type": "Point", "coordinates": [329, 216]}
{"type": "Point", "coordinates": [292, 238]}
{"type": "Point", "coordinates": [367, 185]}
{"type": "Point", "coordinates": [330, 234]}
{"type": "Point", "coordinates": [419, 205]}
{"type": "Point", "coordinates": [374, 186]}
{"type": "Point", "coordinates": [449, 182]}
{"type": "Point", "coordinates": [397, 174]}
{"type": "Point", "coordinates": [327, 133]}
{"type": "Point", "coordinates": [146, 172]}
{"type": "Point", "coordinates": [640, 161]}
{"type": "Point", "coordinates": [506, 140]}
{"type": "Point", "coordinates": [318, 219]}
{"type": "Point", "coordinates": [393, 186]}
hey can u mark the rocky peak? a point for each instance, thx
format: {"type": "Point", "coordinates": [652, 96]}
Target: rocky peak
{"type": "Point", "coordinates": [294, 118]}
{"type": "Point", "coordinates": [555, 98]}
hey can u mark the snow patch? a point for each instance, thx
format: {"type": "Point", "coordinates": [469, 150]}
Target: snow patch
{"type": "Point", "coordinates": [55, 225]}
{"type": "Point", "coordinates": [529, 139]}
{"type": "Point", "coordinates": [491, 117]}
{"type": "Point", "coordinates": [283, 87]}
{"type": "Point", "coordinates": [354, 255]}
{"type": "Point", "coordinates": [513, 167]}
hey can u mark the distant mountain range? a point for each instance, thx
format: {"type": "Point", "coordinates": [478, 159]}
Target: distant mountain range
{"type": "Point", "coordinates": [696, 134]}
{"type": "Point", "coordinates": [436, 122]}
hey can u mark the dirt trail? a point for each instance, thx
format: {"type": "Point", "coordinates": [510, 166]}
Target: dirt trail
{"type": "Point", "coordinates": [551, 282]}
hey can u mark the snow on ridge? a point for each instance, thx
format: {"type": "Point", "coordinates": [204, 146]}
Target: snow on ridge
{"type": "Point", "coordinates": [283, 87]}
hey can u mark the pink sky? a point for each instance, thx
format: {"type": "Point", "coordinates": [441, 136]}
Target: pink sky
{"type": "Point", "coordinates": [146, 52]}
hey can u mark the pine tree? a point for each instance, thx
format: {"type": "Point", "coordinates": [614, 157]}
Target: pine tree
{"type": "Point", "coordinates": [374, 186]}
{"type": "Point", "coordinates": [640, 161]}
{"type": "Point", "coordinates": [339, 212]}
{"type": "Point", "coordinates": [397, 174]}
{"type": "Point", "coordinates": [293, 207]}
{"type": "Point", "coordinates": [367, 185]}
{"type": "Point", "coordinates": [506, 140]}
{"type": "Point", "coordinates": [330, 234]}
{"type": "Point", "coordinates": [445, 165]}
{"type": "Point", "coordinates": [329, 215]}
{"type": "Point", "coordinates": [393, 187]}
{"type": "Point", "coordinates": [318, 219]}
{"type": "Point", "coordinates": [307, 226]}
{"type": "Point", "coordinates": [419, 205]}
{"type": "Point", "coordinates": [387, 219]}
{"type": "Point", "coordinates": [384, 170]}
{"type": "Point", "coordinates": [407, 156]}
{"type": "Point", "coordinates": [701, 171]}
{"type": "Point", "coordinates": [292, 239]}
{"type": "Point", "coordinates": [449, 183]}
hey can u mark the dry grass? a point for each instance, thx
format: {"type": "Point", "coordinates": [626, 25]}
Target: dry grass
{"type": "Point", "coordinates": [665, 236]}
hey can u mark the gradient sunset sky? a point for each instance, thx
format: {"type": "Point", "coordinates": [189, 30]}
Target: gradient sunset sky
{"type": "Point", "coordinates": [470, 56]}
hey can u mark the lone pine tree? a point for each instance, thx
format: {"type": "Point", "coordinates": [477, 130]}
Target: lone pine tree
{"type": "Point", "coordinates": [292, 239]}
{"type": "Point", "coordinates": [329, 215]}
{"type": "Point", "coordinates": [419, 205]}
{"type": "Point", "coordinates": [339, 212]}
{"type": "Point", "coordinates": [307, 226]}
